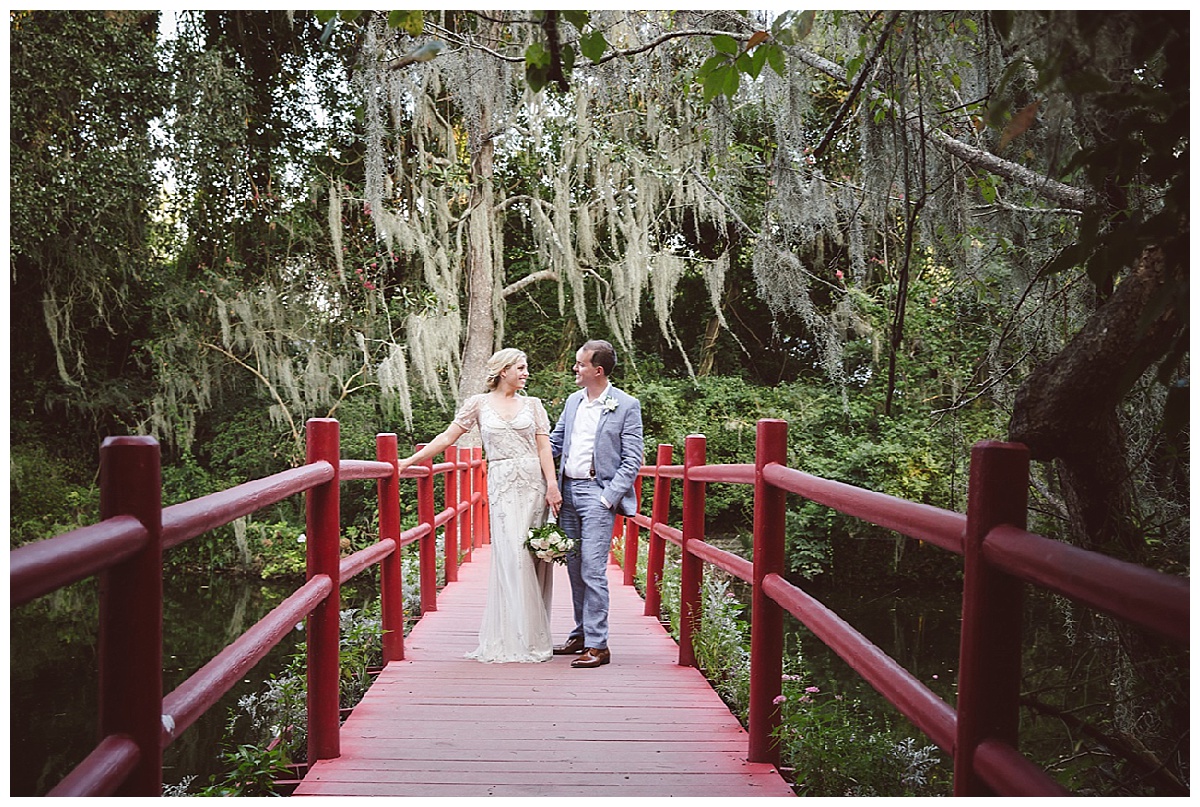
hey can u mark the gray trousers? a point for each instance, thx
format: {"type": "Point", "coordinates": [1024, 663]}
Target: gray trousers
{"type": "Point", "coordinates": [585, 519]}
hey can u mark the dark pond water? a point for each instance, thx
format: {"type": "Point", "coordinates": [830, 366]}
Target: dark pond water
{"type": "Point", "coordinates": [918, 630]}
{"type": "Point", "coordinates": [52, 672]}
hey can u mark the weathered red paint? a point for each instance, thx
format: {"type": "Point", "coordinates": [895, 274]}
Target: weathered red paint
{"type": "Point", "coordinates": [103, 771]}
{"type": "Point", "coordinates": [428, 545]}
{"type": "Point", "coordinates": [989, 666]}
{"type": "Point", "coordinates": [450, 531]}
{"type": "Point", "coordinates": [391, 576]}
{"type": "Point", "coordinates": [37, 569]}
{"type": "Point", "coordinates": [691, 567]}
{"type": "Point", "coordinates": [324, 556]}
{"type": "Point", "coordinates": [660, 511]}
{"type": "Point", "coordinates": [130, 644]}
{"type": "Point", "coordinates": [480, 487]}
{"type": "Point", "coordinates": [629, 567]}
{"type": "Point", "coordinates": [766, 617]}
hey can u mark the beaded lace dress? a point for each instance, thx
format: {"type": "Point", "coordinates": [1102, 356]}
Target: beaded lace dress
{"type": "Point", "coordinates": [516, 613]}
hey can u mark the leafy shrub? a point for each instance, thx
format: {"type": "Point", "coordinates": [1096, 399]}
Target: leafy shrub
{"type": "Point", "coordinates": [836, 747]}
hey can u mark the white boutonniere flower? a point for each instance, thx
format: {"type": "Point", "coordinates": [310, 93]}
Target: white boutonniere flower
{"type": "Point", "coordinates": [609, 403]}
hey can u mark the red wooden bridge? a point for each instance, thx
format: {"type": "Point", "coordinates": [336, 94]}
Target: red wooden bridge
{"type": "Point", "coordinates": [436, 724]}
{"type": "Point", "coordinates": [645, 721]}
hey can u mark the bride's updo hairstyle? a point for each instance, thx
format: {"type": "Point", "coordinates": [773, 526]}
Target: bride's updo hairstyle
{"type": "Point", "coordinates": [500, 361]}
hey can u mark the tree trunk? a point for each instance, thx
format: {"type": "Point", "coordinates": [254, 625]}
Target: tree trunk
{"type": "Point", "coordinates": [480, 268]}
{"type": "Point", "coordinates": [1068, 409]}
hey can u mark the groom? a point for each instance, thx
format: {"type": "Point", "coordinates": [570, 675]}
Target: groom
{"type": "Point", "coordinates": [599, 438]}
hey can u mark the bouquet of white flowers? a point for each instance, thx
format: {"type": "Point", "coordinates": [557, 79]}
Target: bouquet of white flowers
{"type": "Point", "coordinates": [549, 543]}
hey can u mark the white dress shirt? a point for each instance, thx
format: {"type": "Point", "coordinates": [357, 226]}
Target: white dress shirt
{"type": "Point", "coordinates": [578, 463]}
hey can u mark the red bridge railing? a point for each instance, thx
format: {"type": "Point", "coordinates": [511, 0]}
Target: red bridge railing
{"type": "Point", "coordinates": [1000, 557]}
{"type": "Point", "coordinates": [125, 550]}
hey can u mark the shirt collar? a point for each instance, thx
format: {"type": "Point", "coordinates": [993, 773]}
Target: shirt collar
{"type": "Point", "coordinates": [599, 398]}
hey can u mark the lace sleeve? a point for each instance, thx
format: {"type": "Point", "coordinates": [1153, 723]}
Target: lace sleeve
{"type": "Point", "coordinates": [541, 421]}
{"type": "Point", "coordinates": [468, 415]}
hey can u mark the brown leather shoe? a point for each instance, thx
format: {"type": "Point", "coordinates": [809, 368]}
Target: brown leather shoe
{"type": "Point", "coordinates": [592, 657]}
{"type": "Point", "coordinates": [571, 647]}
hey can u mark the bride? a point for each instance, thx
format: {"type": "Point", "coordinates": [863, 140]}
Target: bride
{"type": "Point", "coordinates": [522, 484]}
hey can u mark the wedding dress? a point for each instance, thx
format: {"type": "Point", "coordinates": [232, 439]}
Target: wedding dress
{"type": "Point", "coordinates": [516, 613]}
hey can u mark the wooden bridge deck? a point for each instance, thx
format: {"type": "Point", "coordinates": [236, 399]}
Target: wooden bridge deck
{"type": "Point", "coordinates": [437, 724]}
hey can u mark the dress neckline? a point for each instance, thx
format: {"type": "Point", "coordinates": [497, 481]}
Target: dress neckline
{"type": "Point", "coordinates": [487, 399]}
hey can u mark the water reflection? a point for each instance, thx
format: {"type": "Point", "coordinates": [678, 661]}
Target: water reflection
{"type": "Point", "coordinates": [919, 630]}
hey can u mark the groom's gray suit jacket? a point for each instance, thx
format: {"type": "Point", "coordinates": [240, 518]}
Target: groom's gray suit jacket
{"type": "Point", "coordinates": [619, 447]}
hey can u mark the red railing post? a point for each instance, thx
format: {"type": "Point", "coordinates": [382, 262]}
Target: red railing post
{"type": "Point", "coordinates": [464, 495]}
{"type": "Point", "coordinates": [428, 545]}
{"type": "Point", "coordinates": [631, 538]}
{"type": "Point", "coordinates": [391, 575]}
{"type": "Point", "coordinates": [660, 512]}
{"type": "Point", "coordinates": [691, 572]}
{"type": "Point", "coordinates": [131, 595]}
{"type": "Point", "coordinates": [323, 505]}
{"type": "Point", "coordinates": [766, 616]}
{"type": "Point", "coordinates": [450, 502]}
{"type": "Point", "coordinates": [989, 667]}
{"type": "Point", "coordinates": [480, 486]}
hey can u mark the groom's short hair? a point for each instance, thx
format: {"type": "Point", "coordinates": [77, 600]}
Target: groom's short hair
{"type": "Point", "coordinates": [604, 355]}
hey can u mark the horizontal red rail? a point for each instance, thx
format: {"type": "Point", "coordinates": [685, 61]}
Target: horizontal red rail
{"type": "Point", "coordinates": [735, 565]}
{"type": "Point", "coordinates": [365, 558]}
{"type": "Point", "coordinates": [915, 701]}
{"type": "Point", "coordinates": [103, 770]}
{"type": "Point", "coordinates": [415, 534]}
{"type": "Point", "coordinates": [672, 534]}
{"type": "Point", "coordinates": [921, 521]}
{"type": "Point", "coordinates": [741, 473]}
{"type": "Point", "coordinates": [364, 469]}
{"type": "Point", "coordinates": [202, 689]}
{"type": "Point", "coordinates": [1006, 770]}
{"type": "Point", "coordinates": [1158, 602]}
{"type": "Point", "coordinates": [35, 570]}
{"type": "Point", "coordinates": [187, 520]}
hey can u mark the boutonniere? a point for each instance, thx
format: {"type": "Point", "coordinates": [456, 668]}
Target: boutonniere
{"type": "Point", "coordinates": [609, 403]}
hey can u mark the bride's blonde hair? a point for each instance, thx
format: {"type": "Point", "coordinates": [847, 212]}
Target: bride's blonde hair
{"type": "Point", "coordinates": [500, 361]}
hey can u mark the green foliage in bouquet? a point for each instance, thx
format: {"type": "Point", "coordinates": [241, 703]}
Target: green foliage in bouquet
{"type": "Point", "coordinates": [549, 543]}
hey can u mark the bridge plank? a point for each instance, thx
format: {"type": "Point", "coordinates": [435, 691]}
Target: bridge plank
{"type": "Point", "coordinates": [437, 724]}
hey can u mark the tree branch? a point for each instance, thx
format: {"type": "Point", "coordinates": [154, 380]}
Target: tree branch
{"type": "Point", "coordinates": [528, 280]}
{"type": "Point", "coordinates": [1065, 195]}
{"type": "Point", "coordinates": [263, 380]}
{"type": "Point", "coordinates": [866, 69]}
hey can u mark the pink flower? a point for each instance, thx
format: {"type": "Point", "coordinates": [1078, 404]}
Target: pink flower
{"type": "Point", "coordinates": [839, 274]}
{"type": "Point", "coordinates": [933, 300]}
{"type": "Point", "coordinates": [812, 689]}
{"type": "Point", "coordinates": [779, 699]}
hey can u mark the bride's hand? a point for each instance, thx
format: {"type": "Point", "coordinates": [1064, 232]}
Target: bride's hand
{"type": "Point", "coordinates": [553, 499]}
